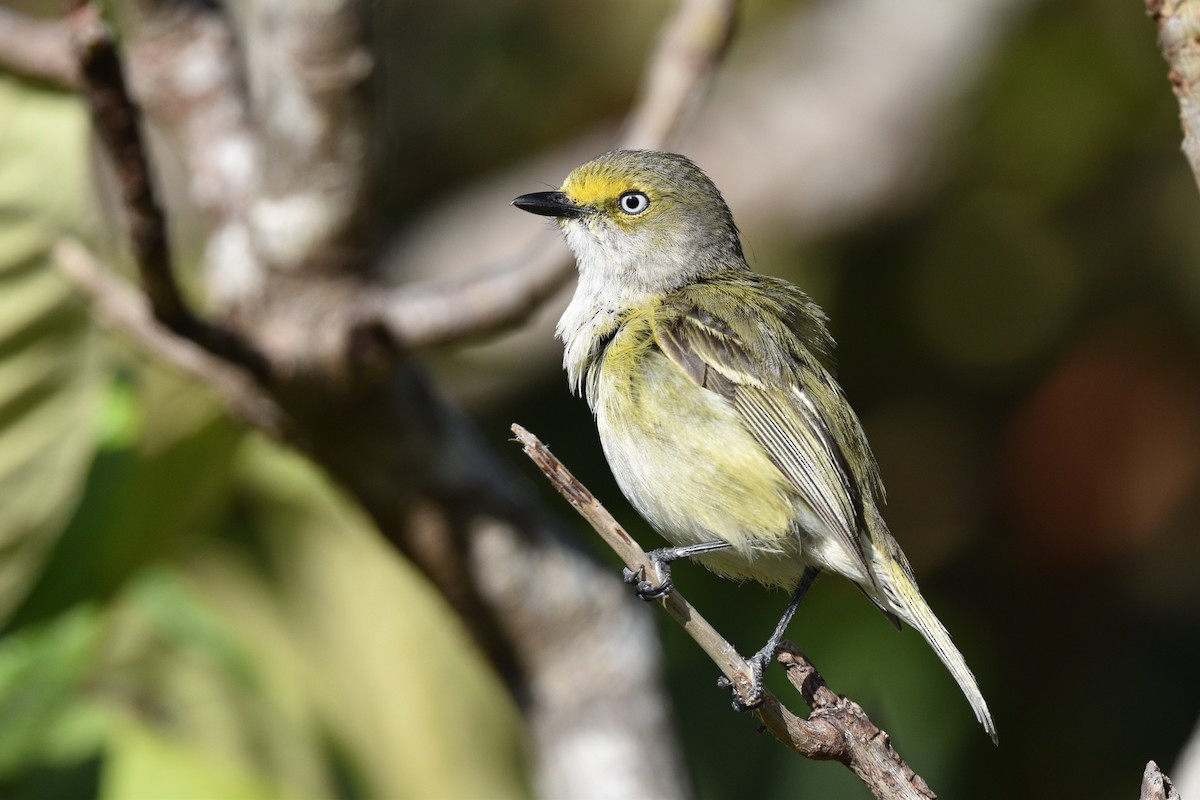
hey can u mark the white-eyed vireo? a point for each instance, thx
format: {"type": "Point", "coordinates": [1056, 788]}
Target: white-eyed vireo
{"type": "Point", "coordinates": [720, 420]}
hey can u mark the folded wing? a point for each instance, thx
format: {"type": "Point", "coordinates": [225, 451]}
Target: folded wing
{"type": "Point", "coordinates": [780, 407]}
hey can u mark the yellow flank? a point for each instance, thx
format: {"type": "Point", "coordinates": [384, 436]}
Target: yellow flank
{"type": "Point", "coordinates": [682, 456]}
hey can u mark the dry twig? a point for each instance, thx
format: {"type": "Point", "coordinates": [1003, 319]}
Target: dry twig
{"type": "Point", "coordinates": [126, 310]}
{"type": "Point", "coordinates": [1156, 785]}
{"type": "Point", "coordinates": [1179, 37]}
{"type": "Point", "coordinates": [689, 50]}
{"type": "Point", "coordinates": [837, 729]}
{"type": "Point", "coordinates": [39, 49]}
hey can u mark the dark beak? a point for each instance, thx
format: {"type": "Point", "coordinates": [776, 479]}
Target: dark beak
{"type": "Point", "coordinates": [549, 204]}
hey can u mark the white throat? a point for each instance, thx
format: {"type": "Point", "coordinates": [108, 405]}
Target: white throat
{"type": "Point", "coordinates": [613, 271]}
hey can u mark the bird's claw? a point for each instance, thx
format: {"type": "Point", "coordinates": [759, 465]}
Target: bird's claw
{"type": "Point", "coordinates": [646, 590]}
{"type": "Point", "coordinates": [758, 664]}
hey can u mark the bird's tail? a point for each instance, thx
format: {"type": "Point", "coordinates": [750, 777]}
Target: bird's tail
{"type": "Point", "coordinates": [901, 596]}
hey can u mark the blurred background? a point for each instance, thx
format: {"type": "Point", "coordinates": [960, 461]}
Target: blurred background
{"type": "Point", "coordinates": [990, 203]}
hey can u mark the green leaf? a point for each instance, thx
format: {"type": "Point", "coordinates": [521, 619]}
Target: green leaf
{"type": "Point", "coordinates": [143, 762]}
{"type": "Point", "coordinates": [141, 503]}
{"type": "Point", "coordinates": [47, 374]}
{"type": "Point", "coordinates": [408, 699]}
{"type": "Point", "coordinates": [41, 670]}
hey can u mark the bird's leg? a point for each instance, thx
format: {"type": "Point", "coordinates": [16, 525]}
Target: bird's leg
{"type": "Point", "coordinates": [759, 661]}
{"type": "Point", "coordinates": [662, 558]}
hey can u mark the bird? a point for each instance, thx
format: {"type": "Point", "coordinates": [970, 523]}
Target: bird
{"type": "Point", "coordinates": [714, 400]}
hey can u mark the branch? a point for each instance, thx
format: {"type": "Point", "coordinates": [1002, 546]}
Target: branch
{"type": "Point", "coordinates": [471, 307]}
{"type": "Point", "coordinates": [1156, 785]}
{"type": "Point", "coordinates": [38, 49]}
{"type": "Point", "coordinates": [854, 739]}
{"type": "Point", "coordinates": [116, 118]}
{"type": "Point", "coordinates": [837, 729]}
{"type": "Point", "coordinates": [307, 77]}
{"type": "Point", "coordinates": [723, 654]}
{"type": "Point", "coordinates": [185, 71]}
{"type": "Point", "coordinates": [691, 46]}
{"type": "Point", "coordinates": [408, 456]}
{"type": "Point", "coordinates": [677, 75]}
{"type": "Point", "coordinates": [1178, 22]}
{"type": "Point", "coordinates": [126, 310]}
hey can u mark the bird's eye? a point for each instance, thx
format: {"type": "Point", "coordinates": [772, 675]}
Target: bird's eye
{"type": "Point", "coordinates": [633, 202]}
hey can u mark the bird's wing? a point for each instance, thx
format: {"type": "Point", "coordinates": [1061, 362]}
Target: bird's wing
{"type": "Point", "coordinates": [780, 406]}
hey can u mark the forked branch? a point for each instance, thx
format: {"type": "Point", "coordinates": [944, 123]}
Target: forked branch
{"type": "Point", "coordinates": [118, 122]}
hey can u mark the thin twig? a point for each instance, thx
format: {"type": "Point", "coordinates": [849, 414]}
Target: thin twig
{"type": "Point", "coordinates": [677, 76]}
{"type": "Point", "coordinates": [125, 309]}
{"type": "Point", "coordinates": [474, 306]}
{"type": "Point", "coordinates": [692, 44]}
{"type": "Point", "coordinates": [723, 654]}
{"type": "Point", "coordinates": [1179, 37]}
{"type": "Point", "coordinates": [837, 729]}
{"type": "Point", "coordinates": [37, 48]}
{"type": "Point", "coordinates": [117, 119]}
{"type": "Point", "coordinates": [863, 746]}
{"type": "Point", "coordinates": [1156, 785]}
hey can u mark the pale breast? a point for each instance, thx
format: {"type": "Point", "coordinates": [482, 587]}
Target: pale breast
{"type": "Point", "coordinates": [685, 460]}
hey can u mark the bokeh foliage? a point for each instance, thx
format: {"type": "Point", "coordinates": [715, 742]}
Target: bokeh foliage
{"type": "Point", "coordinates": [188, 610]}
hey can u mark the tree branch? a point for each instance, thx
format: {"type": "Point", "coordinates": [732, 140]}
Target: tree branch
{"type": "Point", "coordinates": [36, 48]}
{"type": "Point", "coordinates": [117, 119]}
{"type": "Point", "coordinates": [677, 76]}
{"type": "Point", "coordinates": [185, 71]}
{"type": "Point", "coordinates": [307, 77]}
{"type": "Point", "coordinates": [690, 49]}
{"type": "Point", "coordinates": [1187, 765]}
{"type": "Point", "coordinates": [837, 729]}
{"type": "Point", "coordinates": [445, 312]}
{"type": "Point", "coordinates": [1156, 785]}
{"type": "Point", "coordinates": [857, 741]}
{"type": "Point", "coordinates": [126, 310]}
{"type": "Point", "coordinates": [408, 456]}
{"type": "Point", "coordinates": [723, 654]}
{"type": "Point", "coordinates": [1178, 26]}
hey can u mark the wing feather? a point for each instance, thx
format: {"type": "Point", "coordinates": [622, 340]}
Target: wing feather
{"type": "Point", "coordinates": [779, 411]}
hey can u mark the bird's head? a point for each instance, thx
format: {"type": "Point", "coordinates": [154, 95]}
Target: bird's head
{"type": "Point", "coordinates": [650, 218]}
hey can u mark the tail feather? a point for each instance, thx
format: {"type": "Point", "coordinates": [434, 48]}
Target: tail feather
{"type": "Point", "coordinates": [904, 598]}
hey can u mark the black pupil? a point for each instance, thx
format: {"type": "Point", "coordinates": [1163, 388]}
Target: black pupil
{"type": "Point", "coordinates": [634, 201]}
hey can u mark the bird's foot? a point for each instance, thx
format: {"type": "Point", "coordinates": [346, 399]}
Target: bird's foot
{"type": "Point", "coordinates": [758, 665]}
{"type": "Point", "coordinates": [646, 590]}
{"type": "Point", "coordinates": [661, 559]}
